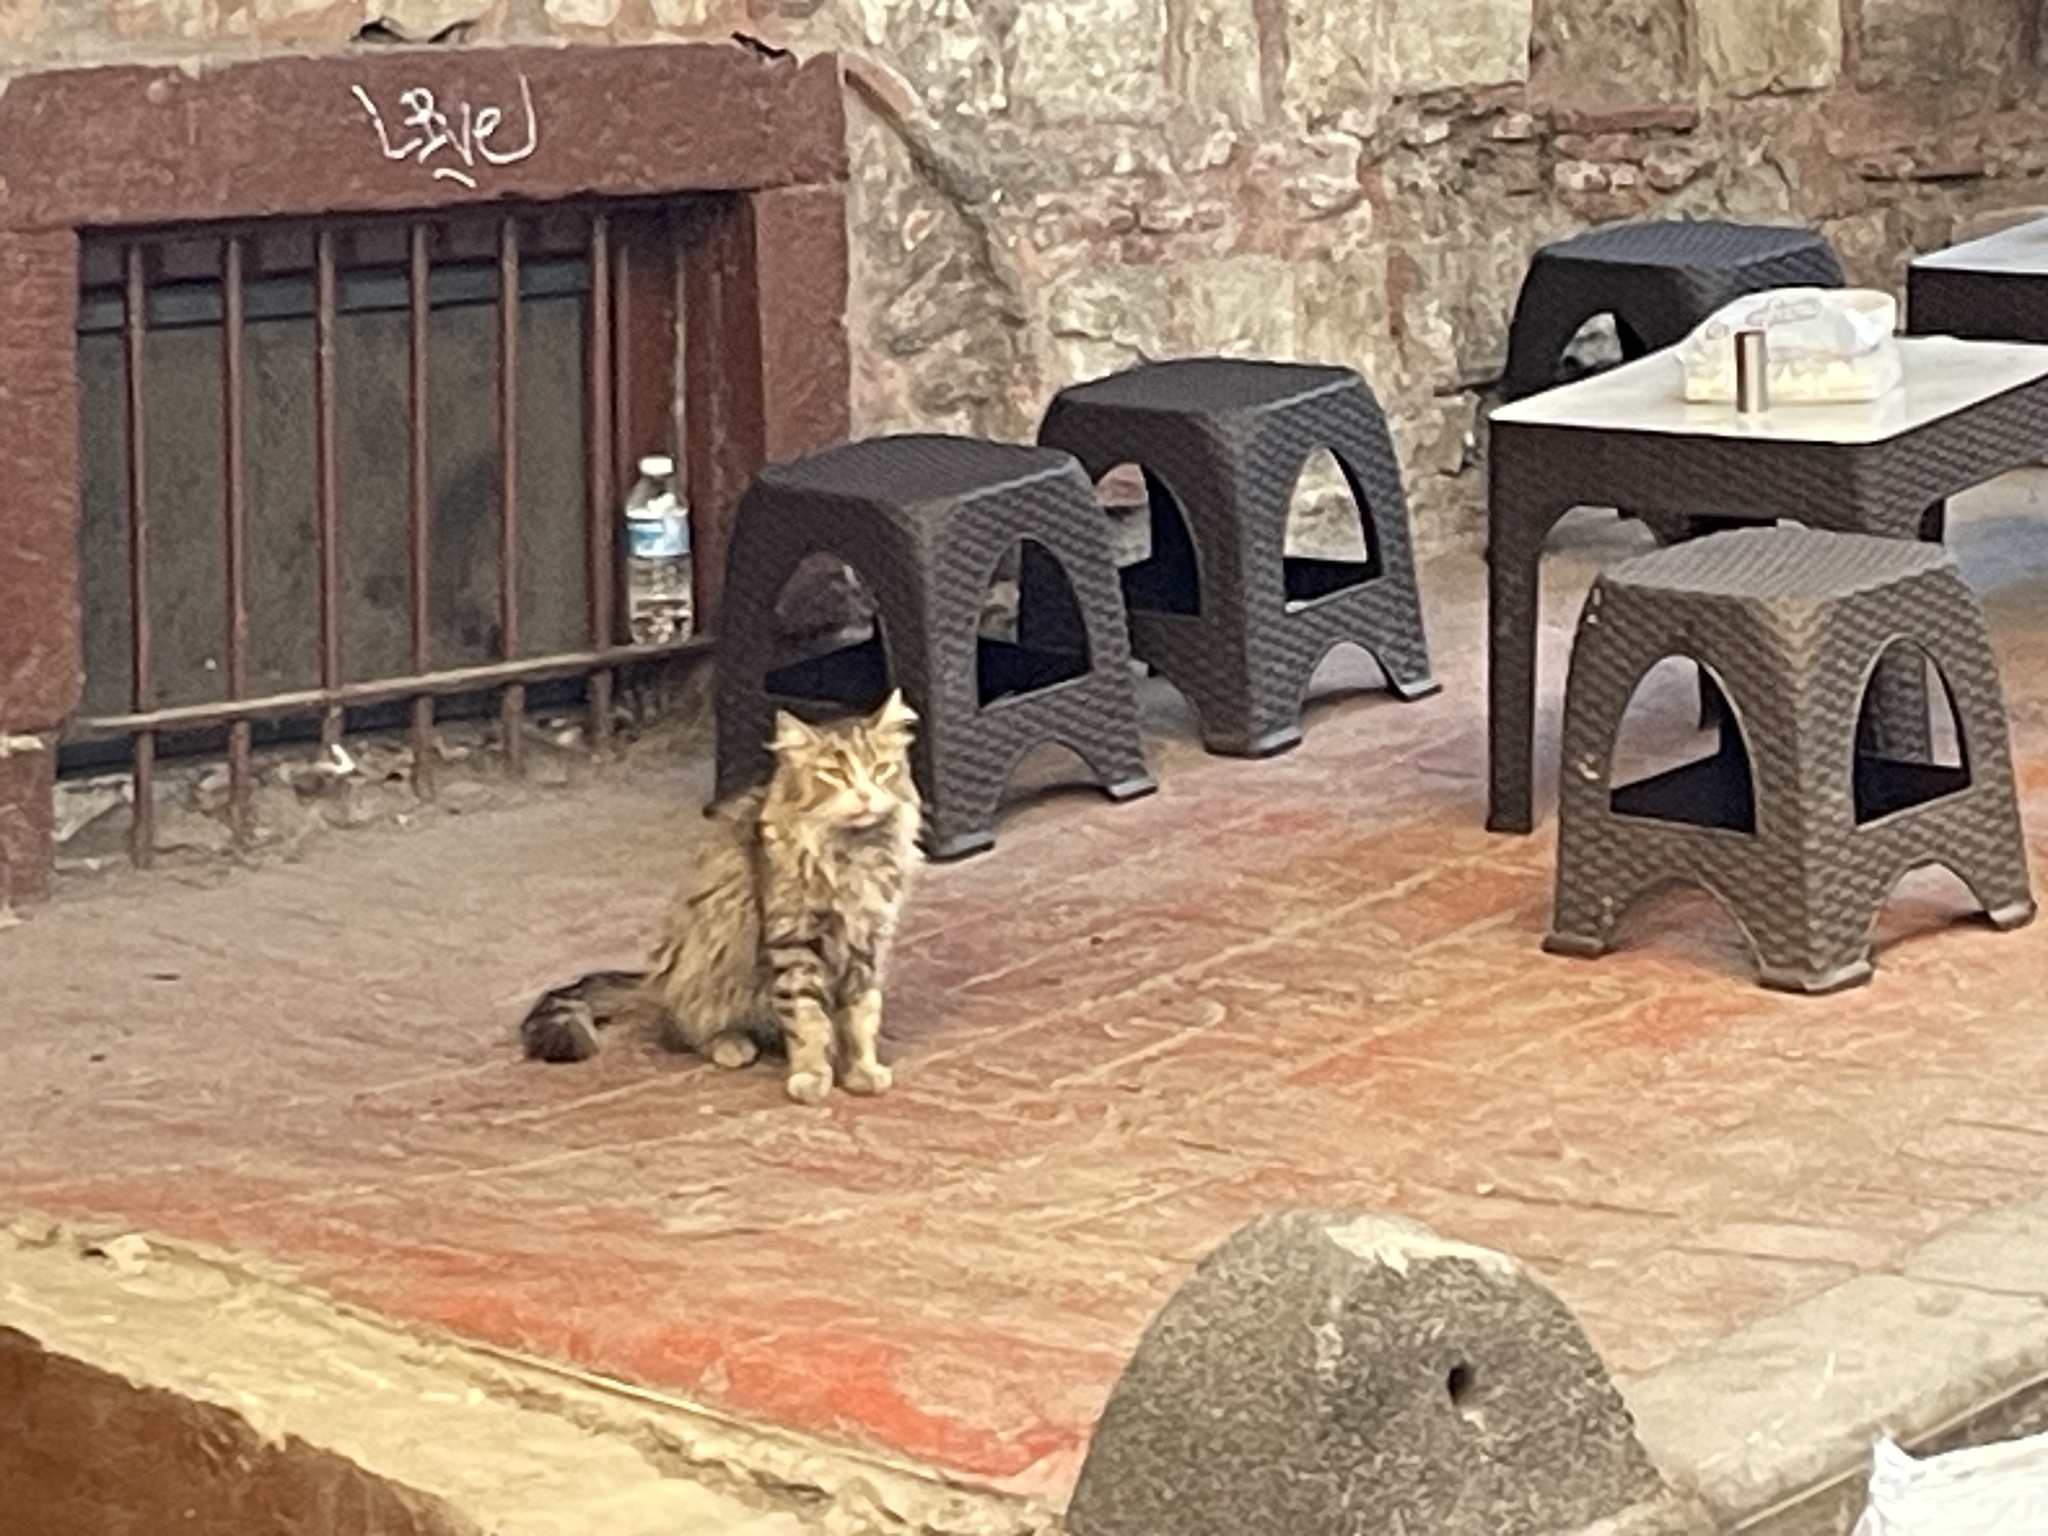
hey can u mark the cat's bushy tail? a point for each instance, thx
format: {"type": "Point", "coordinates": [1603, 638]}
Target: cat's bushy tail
{"type": "Point", "coordinates": [563, 1022]}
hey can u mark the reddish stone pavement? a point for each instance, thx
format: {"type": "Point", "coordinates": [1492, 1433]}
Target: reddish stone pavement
{"type": "Point", "coordinates": [1120, 1035]}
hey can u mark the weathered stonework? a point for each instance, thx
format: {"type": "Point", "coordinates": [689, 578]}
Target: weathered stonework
{"type": "Point", "coordinates": [1612, 58]}
{"type": "Point", "coordinates": [1453, 45]}
{"type": "Point", "coordinates": [1042, 190]}
{"type": "Point", "coordinates": [1046, 188]}
{"type": "Point", "coordinates": [1939, 42]}
{"type": "Point", "coordinates": [1753, 46]}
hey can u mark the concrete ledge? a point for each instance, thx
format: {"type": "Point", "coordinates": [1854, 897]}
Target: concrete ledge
{"type": "Point", "coordinates": [300, 1404]}
{"type": "Point", "coordinates": [305, 1409]}
{"type": "Point", "coordinates": [1772, 1427]}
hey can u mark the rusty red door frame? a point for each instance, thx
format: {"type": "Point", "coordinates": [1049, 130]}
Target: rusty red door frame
{"type": "Point", "coordinates": [403, 130]}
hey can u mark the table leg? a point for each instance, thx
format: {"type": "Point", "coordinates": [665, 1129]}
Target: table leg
{"type": "Point", "coordinates": [1514, 555]}
{"type": "Point", "coordinates": [1713, 707]}
{"type": "Point", "coordinates": [1897, 724]}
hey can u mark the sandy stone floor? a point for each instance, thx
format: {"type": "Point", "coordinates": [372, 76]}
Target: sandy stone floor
{"type": "Point", "coordinates": [1119, 1035]}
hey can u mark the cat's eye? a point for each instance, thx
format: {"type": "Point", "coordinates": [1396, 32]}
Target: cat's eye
{"type": "Point", "coordinates": [834, 771]}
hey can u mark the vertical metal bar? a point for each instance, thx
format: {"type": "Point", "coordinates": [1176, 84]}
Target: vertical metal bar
{"type": "Point", "coordinates": [622, 314]}
{"type": "Point", "coordinates": [330, 490]}
{"type": "Point", "coordinates": [511, 703]}
{"type": "Point", "coordinates": [623, 406]}
{"type": "Point", "coordinates": [678, 408]}
{"type": "Point", "coordinates": [597, 389]}
{"type": "Point", "coordinates": [678, 359]}
{"type": "Point", "coordinates": [418, 524]}
{"type": "Point", "coordinates": [142, 684]}
{"type": "Point", "coordinates": [235, 518]}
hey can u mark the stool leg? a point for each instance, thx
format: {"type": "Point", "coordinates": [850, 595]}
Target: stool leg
{"type": "Point", "coordinates": [2007, 910]}
{"type": "Point", "coordinates": [1237, 712]}
{"type": "Point", "coordinates": [937, 667]}
{"type": "Point", "coordinates": [744, 717]}
{"type": "Point", "coordinates": [1545, 321]}
{"type": "Point", "coordinates": [1829, 952]}
{"type": "Point", "coordinates": [1397, 638]}
{"type": "Point", "coordinates": [1804, 900]}
{"type": "Point", "coordinates": [1990, 857]}
{"type": "Point", "coordinates": [961, 789]}
{"type": "Point", "coordinates": [1254, 722]}
{"type": "Point", "coordinates": [1093, 625]}
{"type": "Point", "coordinates": [954, 829]}
{"type": "Point", "coordinates": [1593, 889]}
{"type": "Point", "coordinates": [1585, 912]}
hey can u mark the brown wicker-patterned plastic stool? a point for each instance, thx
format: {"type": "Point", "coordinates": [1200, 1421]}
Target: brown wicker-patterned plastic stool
{"type": "Point", "coordinates": [1791, 622]}
{"type": "Point", "coordinates": [1659, 279]}
{"type": "Point", "coordinates": [925, 520]}
{"type": "Point", "coordinates": [1219, 608]}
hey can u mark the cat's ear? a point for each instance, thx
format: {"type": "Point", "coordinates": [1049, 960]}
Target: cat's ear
{"type": "Point", "coordinates": [894, 719]}
{"type": "Point", "coordinates": [791, 734]}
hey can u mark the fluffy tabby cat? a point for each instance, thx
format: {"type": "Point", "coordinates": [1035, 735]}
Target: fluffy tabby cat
{"type": "Point", "coordinates": [779, 938]}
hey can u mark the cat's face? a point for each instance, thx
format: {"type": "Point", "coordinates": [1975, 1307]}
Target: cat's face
{"type": "Point", "coordinates": [851, 777]}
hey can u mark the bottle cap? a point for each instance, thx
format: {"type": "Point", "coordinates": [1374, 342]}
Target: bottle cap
{"type": "Point", "coordinates": [657, 466]}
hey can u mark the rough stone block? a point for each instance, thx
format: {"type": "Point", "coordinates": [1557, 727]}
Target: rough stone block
{"type": "Point", "coordinates": [583, 13]}
{"type": "Point", "coordinates": [940, 53]}
{"type": "Point", "coordinates": [1239, 306]}
{"type": "Point", "coordinates": [1213, 62]}
{"type": "Point", "coordinates": [27, 809]}
{"type": "Point", "coordinates": [1333, 66]}
{"type": "Point", "coordinates": [689, 15]}
{"type": "Point", "coordinates": [1610, 58]}
{"type": "Point", "coordinates": [1342, 305]}
{"type": "Point", "coordinates": [1324, 1374]}
{"type": "Point", "coordinates": [1447, 45]}
{"type": "Point", "coordinates": [21, 20]}
{"type": "Point", "coordinates": [1343, 58]}
{"type": "Point", "coordinates": [1753, 46]}
{"type": "Point", "coordinates": [1938, 42]}
{"type": "Point", "coordinates": [421, 20]}
{"type": "Point", "coordinates": [1075, 63]}
{"type": "Point", "coordinates": [39, 624]}
{"type": "Point", "coordinates": [1106, 319]}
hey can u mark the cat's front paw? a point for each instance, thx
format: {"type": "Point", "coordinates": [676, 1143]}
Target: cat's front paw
{"type": "Point", "coordinates": [868, 1077]}
{"type": "Point", "coordinates": [733, 1051]}
{"type": "Point", "coordinates": [809, 1087]}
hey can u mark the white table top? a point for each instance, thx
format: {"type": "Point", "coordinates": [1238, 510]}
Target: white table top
{"type": "Point", "coordinates": [1942, 377]}
{"type": "Point", "coordinates": [2021, 251]}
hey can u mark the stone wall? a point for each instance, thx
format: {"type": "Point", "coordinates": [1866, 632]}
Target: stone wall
{"type": "Point", "coordinates": [1049, 188]}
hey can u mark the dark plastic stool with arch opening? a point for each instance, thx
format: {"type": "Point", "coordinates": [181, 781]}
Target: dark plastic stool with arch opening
{"type": "Point", "coordinates": [925, 520]}
{"type": "Point", "coordinates": [1658, 279]}
{"type": "Point", "coordinates": [1800, 823]}
{"type": "Point", "coordinates": [1219, 608]}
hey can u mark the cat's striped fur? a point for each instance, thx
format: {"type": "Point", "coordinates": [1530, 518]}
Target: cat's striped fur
{"type": "Point", "coordinates": [779, 938]}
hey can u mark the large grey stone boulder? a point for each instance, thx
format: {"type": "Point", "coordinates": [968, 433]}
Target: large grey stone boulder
{"type": "Point", "coordinates": [1337, 1375]}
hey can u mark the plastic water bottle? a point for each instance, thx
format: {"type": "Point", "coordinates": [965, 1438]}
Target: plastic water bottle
{"type": "Point", "coordinates": [658, 596]}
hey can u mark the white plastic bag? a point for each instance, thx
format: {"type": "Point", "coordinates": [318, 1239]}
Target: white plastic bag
{"type": "Point", "coordinates": [1986, 1490]}
{"type": "Point", "coordinates": [1824, 346]}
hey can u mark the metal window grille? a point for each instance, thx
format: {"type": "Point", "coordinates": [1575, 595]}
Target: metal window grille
{"type": "Point", "coordinates": [333, 467]}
